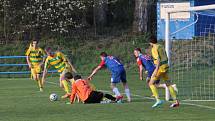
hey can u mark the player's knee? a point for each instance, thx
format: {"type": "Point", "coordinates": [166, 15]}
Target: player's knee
{"type": "Point", "coordinates": [150, 83]}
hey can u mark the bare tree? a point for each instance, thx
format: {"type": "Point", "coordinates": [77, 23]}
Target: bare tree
{"type": "Point", "coordinates": [144, 15]}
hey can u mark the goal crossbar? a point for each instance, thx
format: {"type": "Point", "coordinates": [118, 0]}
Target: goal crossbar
{"type": "Point", "coordinates": [167, 20]}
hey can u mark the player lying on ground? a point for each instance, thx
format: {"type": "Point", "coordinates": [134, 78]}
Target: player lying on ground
{"type": "Point", "coordinates": [68, 77]}
{"type": "Point", "coordinates": [35, 57]}
{"type": "Point", "coordinates": [160, 72]}
{"type": "Point", "coordinates": [118, 73]}
{"type": "Point", "coordinates": [145, 61]}
{"type": "Point", "coordinates": [62, 64]}
{"type": "Point", "coordinates": [82, 88]}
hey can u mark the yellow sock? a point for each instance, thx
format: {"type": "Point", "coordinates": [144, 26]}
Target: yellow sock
{"type": "Point", "coordinates": [39, 81]}
{"type": "Point", "coordinates": [154, 91]}
{"type": "Point", "coordinates": [66, 86]}
{"type": "Point", "coordinates": [172, 92]}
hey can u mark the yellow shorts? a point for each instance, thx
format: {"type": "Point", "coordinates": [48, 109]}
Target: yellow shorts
{"type": "Point", "coordinates": [36, 70]}
{"type": "Point", "coordinates": [162, 73]}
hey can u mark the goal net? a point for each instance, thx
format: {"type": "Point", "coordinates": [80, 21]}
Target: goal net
{"type": "Point", "coordinates": [193, 55]}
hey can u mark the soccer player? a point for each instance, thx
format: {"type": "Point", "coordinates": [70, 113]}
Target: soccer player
{"type": "Point", "coordinates": [82, 88]}
{"type": "Point", "coordinates": [62, 64]}
{"type": "Point", "coordinates": [35, 57]}
{"type": "Point", "coordinates": [145, 61]}
{"type": "Point", "coordinates": [160, 72]}
{"type": "Point", "coordinates": [118, 73]}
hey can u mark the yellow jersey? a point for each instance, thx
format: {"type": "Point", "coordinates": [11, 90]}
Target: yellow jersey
{"type": "Point", "coordinates": [36, 55]}
{"type": "Point", "coordinates": [58, 60]}
{"type": "Point", "coordinates": [159, 53]}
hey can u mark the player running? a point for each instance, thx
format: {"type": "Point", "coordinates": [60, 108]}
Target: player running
{"type": "Point", "coordinates": [35, 57]}
{"type": "Point", "coordinates": [118, 73]}
{"type": "Point", "coordinates": [160, 72]}
{"type": "Point", "coordinates": [62, 64]}
{"type": "Point", "coordinates": [84, 91]}
{"type": "Point", "coordinates": [145, 61]}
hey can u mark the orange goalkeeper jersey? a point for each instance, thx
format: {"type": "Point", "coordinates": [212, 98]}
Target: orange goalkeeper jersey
{"type": "Point", "coordinates": [82, 88]}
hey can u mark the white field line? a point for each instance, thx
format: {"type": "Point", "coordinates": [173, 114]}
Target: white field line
{"type": "Point", "coordinates": [190, 104]}
{"type": "Point", "coordinates": [199, 100]}
{"type": "Point", "coordinates": [197, 105]}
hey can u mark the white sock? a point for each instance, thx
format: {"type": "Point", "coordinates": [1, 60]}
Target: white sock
{"type": "Point", "coordinates": [116, 91]}
{"type": "Point", "coordinates": [167, 93]}
{"type": "Point", "coordinates": [127, 92]}
{"type": "Point", "coordinates": [162, 85]}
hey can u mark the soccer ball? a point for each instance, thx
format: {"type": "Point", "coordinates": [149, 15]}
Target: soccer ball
{"type": "Point", "coordinates": [53, 97]}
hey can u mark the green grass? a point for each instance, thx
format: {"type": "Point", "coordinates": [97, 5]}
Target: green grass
{"type": "Point", "coordinates": [20, 100]}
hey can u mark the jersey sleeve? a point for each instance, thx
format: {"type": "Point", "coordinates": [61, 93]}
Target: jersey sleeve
{"type": "Point", "coordinates": [62, 56]}
{"type": "Point", "coordinates": [139, 62]}
{"type": "Point", "coordinates": [28, 52]}
{"type": "Point", "coordinates": [42, 52]}
{"type": "Point", "coordinates": [102, 63]}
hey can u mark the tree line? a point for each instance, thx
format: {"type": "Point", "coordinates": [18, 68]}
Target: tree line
{"type": "Point", "coordinates": [22, 18]}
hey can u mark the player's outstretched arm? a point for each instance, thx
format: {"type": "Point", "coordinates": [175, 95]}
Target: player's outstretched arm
{"type": "Point", "coordinates": [94, 72]}
{"type": "Point", "coordinates": [28, 61]}
{"type": "Point", "coordinates": [141, 72]}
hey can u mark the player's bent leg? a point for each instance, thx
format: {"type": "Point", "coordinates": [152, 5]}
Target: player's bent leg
{"type": "Point", "coordinates": [115, 89]}
{"type": "Point", "coordinates": [94, 97]}
{"type": "Point", "coordinates": [153, 89]}
{"type": "Point", "coordinates": [39, 81]}
{"type": "Point", "coordinates": [155, 93]}
{"type": "Point", "coordinates": [66, 89]}
{"type": "Point", "coordinates": [110, 97]}
{"type": "Point", "coordinates": [36, 76]}
{"type": "Point", "coordinates": [173, 94]}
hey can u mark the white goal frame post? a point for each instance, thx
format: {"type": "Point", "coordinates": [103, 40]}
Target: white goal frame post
{"type": "Point", "coordinates": [167, 22]}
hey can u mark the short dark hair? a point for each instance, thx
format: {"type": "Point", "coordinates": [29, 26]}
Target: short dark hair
{"type": "Point", "coordinates": [153, 39]}
{"type": "Point", "coordinates": [77, 77]}
{"type": "Point", "coordinates": [68, 75]}
{"type": "Point", "coordinates": [34, 40]}
{"type": "Point", "coordinates": [138, 49]}
{"type": "Point", "coordinates": [103, 54]}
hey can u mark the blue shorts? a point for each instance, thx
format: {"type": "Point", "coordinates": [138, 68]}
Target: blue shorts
{"type": "Point", "coordinates": [118, 76]}
{"type": "Point", "coordinates": [149, 74]}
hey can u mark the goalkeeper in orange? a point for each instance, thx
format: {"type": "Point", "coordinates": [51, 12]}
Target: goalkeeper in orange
{"type": "Point", "coordinates": [160, 72]}
{"type": "Point", "coordinates": [35, 57]}
{"type": "Point", "coordinates": [62, 64]}
{"type": "Point", "coordinates": [84, 91]}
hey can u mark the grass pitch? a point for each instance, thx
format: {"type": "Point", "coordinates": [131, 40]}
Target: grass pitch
{"type": "Point", "coordinates": [20, 100]}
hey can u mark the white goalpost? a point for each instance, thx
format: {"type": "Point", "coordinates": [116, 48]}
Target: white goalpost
{"type": "Point", "coordinates": [192, 59]}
